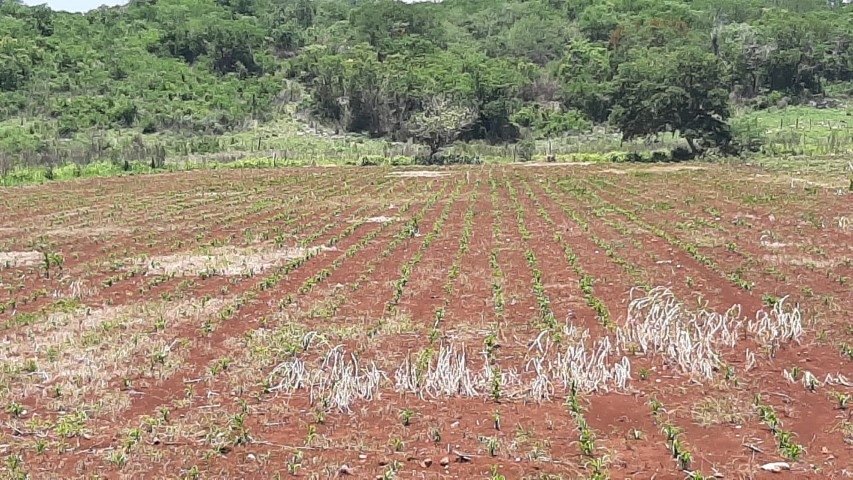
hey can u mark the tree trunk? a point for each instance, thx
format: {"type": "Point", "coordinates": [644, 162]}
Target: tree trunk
{"type": "Point", "coordinates": [433, 149]}
{"type": "Point", "coordinates": [694, 150]}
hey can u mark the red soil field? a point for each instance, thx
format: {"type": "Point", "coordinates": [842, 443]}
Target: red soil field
{"type": "Point", "coordinates": [535, 322]}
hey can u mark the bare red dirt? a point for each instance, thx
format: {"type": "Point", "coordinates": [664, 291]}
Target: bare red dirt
{"type": "Point", "coordinates": [350, 322]}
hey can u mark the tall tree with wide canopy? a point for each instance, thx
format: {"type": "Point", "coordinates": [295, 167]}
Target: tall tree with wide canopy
{"type": "Point", "coordinates": [680, 91]}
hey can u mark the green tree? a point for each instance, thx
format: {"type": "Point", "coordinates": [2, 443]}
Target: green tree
{"type": "Point", "coordinates": [441, 122]}
{"type": "Point", "coordinates": [680, 91]}
{"type": "Point", "coordinates": [585, 77]}
{"type": "Point", "coordinates": [16, 63]}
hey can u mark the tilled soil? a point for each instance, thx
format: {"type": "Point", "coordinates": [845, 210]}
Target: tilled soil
{"type": "Point", "coordinates": [367, 323]}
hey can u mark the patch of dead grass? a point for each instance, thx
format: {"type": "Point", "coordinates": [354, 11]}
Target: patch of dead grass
{"type": "Point", "coordinates": [654, 169]}
{"type": "Point", "coordinates": [846, 430]}
{"type": "Point", "coordinates": [20, 259]}
{"type": "Point", "coordinates": [228, 261]}
{"type": "Point", "coordinates": [96, 345]}
{"type": "Point", "coordinates": [419, 174]}
{"type": "Point", "coordinates": [379, 219]}
{"type": "Point", "coordinates": [559, 164]}
{"type": "Point", "coordinates": [800, 261]}
{"type": "Point", "coordinates": [99, 231]}
{"type": "Point", "coordinates": [706, 238]}
{"type": "Point", "coordinates": [722, 409]}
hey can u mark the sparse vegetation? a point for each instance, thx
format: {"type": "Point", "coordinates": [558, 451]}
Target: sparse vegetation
{"type": "Point", "coordinates": [359, 322]}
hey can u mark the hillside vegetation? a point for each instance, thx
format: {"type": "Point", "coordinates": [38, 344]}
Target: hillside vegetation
{"type": "Point", "coordinates": [162, 78]}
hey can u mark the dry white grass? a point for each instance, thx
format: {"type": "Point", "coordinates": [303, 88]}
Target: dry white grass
{"type": "Point", "coordinates": [576, 362]}
{"type": "Point", "coordinates": [379, 219]}
{"type": "Point", "coordinates": [654, 169]}
{"type": "Point", "coordinates": [659, 324]}
{"type": "Point", "coordinates": [89, 231]}
{"type": "Point", "coordinates": [224, 193]}
{"type": "Point", "coordinates": [20, 259]}
{"type": "Point", "coordinates": [558, 164]}
{"type": "Point", "coordinates": [780, 325]}
{"type": "Point", "coordinates": [767, 241]}
{"type": "Point", "coordinates": [692, 341]}
{"type": "Point", "coordinates": [338, 382]}
{"type": "Point", "coordinates": [96, 345]}
{"type": "Point", "coordinates": [801, 261]}
{"type": "Point", "coordinates": [444, 374]}
{"type": "Point", "coordinates": [80, 289]}
{"type": "Point", "coordinates": [227, 261]}
{"type": "Point", "coordinates": [338, 379]}
{"type": "Point", "coordinates": [419, 174]}
{"type": "Point", "coordinates": [82, 230]}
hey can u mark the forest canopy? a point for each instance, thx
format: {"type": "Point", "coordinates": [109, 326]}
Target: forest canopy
{"type": "Point", "coordinates": [496, 70]}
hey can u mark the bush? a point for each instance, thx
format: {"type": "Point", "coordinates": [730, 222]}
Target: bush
{"type": "Point", "coordinates": [659, 157]}
{"type": "Point", "coordinates": [446, 158]}
{"type": "Point", "coordinates": [525, 150]}
{"type": "Point", "coordinates": [67, 127]}
{"type": "Point", "coordinates": [547, 122]}
{"type": "Point", "coordinates": [634, 157]}
{"type": "Point", "coordinates": [149, 125]}
{"type": "Point", "coordinates": [681, 154]}
{"type": "Point", "coordinates": [372, 160]}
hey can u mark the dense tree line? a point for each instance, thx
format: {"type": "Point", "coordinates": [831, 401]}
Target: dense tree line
{"type": "Point", "coordinates": [472, 69]}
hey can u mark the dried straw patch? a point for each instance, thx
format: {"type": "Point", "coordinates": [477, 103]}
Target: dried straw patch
{"type": "Point", "coordinates": [801, 261]}
{"type": "Point", "coordinates": [419, 174]}
{"type": "Point", "coordinates": [722, 409]}
{"type": "Point", "coordinates": [379, 219]}
{"type": "Point", "coordinates": [86, 231]}
{"type": "Point", "coordinates": [81, 351]}
{"type": "Point", "coordinates": [19, 259]}
{"type": "Point", "coordinates": [228, 261]}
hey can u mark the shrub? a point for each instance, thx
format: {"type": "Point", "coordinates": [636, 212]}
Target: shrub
{"type": "Point", "coordinates": [525, 150]}
{"type": "Point", "coordinates": [447, 158]}
{"type": "Point", "coordinates": [372, 160]}
{"type": "Point", "coordinates": [660, 157]}
{"type": "Point", "coordinates": [681, 154]}
{"type": "Point", "coordinates": [547, 122]}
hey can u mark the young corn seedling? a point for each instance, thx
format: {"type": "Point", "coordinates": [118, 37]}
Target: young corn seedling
{"type": "Point", "coordinates": [789, 449]}
{"type": "Point", "coordinates": [846, 350]}
{"type": "Point", "coordinates": [586, 441]}
{"type": "Point", "coordinates": [496, 383]}
{"type": "Point", "coordinates": [51, 260]}
{"type": "Point", "coordinates": [494, 475]}
{"type": "Point", "coordinates": [843, 399]}
{"type": "Point", "coordinates": [491, 344]}
{"type": "Point", "coordinates": [294, 463]}
{"type": "Point", "coordinates": [15, 409]}
{"type": "Point", "coordinates": [492, 445]}
{"type": "Point", "coordinates": [406, 417]}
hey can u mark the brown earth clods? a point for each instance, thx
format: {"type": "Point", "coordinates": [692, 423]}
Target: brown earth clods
{"type": "Point", "coordinates": [457, 323]}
